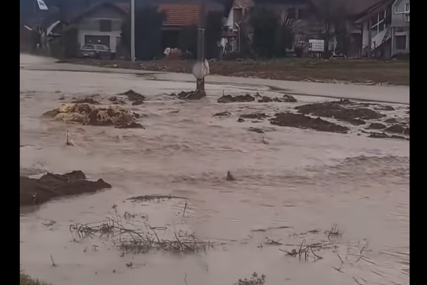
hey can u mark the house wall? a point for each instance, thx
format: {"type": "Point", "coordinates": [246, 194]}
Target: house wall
{"type": "Point", "coordinates": [399, 19]}
{"type": "Point", "coordinates": [89, 25]}
{"type": "Point", "coordinates": [400, 28]}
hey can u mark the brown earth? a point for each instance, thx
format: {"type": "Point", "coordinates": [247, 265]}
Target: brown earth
{"type": "Point", "coordinates": [87, 114]}
{"type": "Point", "coordinates": [191, 95]}
{"type": "Point", "coordinates": [305, 122]}
{"type": "Point", "coordinates": [336, 110]}
{"type": "Point", "coordinates": [87, 100]}
{"type": "Point", "coordinates": [395, 72]}
{"type": "Point", "coordinates": [133, 96]}
{"type": "Point", "coordinates": [50, 186]}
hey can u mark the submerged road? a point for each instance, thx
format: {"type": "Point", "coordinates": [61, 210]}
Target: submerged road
{"type": "Point", "coordinates": [389, 94]}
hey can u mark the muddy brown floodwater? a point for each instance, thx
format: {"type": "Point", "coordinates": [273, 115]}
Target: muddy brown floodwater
{"type": "Point", "coordinates": [275, 217]}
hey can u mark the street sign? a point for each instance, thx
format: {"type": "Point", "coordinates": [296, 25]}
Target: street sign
{"type": "Point", "coordinates": [42, 5]}
{"type": "Point", "coordinates": [201, 69]}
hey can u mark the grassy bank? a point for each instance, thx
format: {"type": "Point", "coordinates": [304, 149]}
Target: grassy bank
{"type": "Point", "coordinates": [363, 71]}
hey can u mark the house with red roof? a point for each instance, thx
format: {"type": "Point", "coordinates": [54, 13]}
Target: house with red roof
{"type": "Point", "coordinates": [102, 22]}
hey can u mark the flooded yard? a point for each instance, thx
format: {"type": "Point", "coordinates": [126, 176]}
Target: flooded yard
{"type": "Point", "coordinates": [303, 207]}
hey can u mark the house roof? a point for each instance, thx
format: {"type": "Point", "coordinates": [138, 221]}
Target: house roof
{"type": "Point", "coordinates": [180, 13]}
{"type": "Point", "coordinates": [94, 7]}
{"type": "Point", "coordinates": [377, 7]}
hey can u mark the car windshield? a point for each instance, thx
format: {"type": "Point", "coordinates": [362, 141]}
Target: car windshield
{"type": "Point", "coordinates": [88, 47]}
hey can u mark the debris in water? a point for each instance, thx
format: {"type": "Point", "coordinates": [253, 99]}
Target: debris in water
{"type": "Point", "coordinates": [133, 96]}
{"type": "Point", "coordinates": [254, 280]}
{"type": "Point", "coordinates": [146, 198]}
{"type": "Point", "coordinates": [222, 114]}
{"type": "Point", "coordinates": [137, 102]}
{"type": "Point", "coordinates": [129, 237]}
{"type": "Point", "coordinates": [256, 130]}
{"type": "Point", "coordinates": [86, 100]}
{"type": "Point", "coordinates": [308, 251]}
{"type": "Point", "coordinates": [238, 98]}
{"type": "Point", "coordinates": [49, 186]}
{"type": "Point", "coordinates": [284, 99]}
{"type": "Point", "coordinates": [53, 262]}
{"type": "Point", "coordinates": [191, 95]}
{"type": "Point", "coordinates": [230, 177]}
{"type": "Point", "coordinates": [334, 232]}
{"type": "Point", "coordinates": [69, 141]}
{"type": "Point", "coordinates": [264, 141]}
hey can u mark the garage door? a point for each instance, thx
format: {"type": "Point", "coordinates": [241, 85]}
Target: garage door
{"type": "Point", "coordinates": [103, 40]}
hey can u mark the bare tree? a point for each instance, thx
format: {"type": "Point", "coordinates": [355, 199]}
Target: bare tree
{"type": "Point", "coordinates": [333, 14]}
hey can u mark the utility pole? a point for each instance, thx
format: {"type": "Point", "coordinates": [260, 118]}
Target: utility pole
{"type": "Point", "coordinates": [132, 30]}
{"type": "Point", "coordinates": [370, 38]}
{"type": "Point", "coordinates": [200, 84]}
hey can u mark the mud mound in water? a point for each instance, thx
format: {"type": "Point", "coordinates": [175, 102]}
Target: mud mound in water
{"type": "Point", "coordinates": [87, 114]}
{"type": "Point", "coordinates": [376, 126]}
{"type": "Point", "coordinates": [398, 129]}
{"type": "Point", "coordinates": [191, 95]}
{"type": "Point", "coordinates": [304, 122]}
{"type": "Point", "coordinates": [336, 110]}
{"type": "Point", "coordinates": [285, 98]}
{"type": "Point", "coordinates": [238, 98]}
{"type": "Point", "coordinates": [86, 100]}
{"type": "Point", "coordinates": [258, 116]}
{"type": "Point", "coordinates": [49, 186]}
{"type": "Point", "coordinates": [133, 96]}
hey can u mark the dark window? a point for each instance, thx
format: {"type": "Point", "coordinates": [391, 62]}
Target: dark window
{"type": "Point", "coordinates": [105, 25]}
{"type": "Point", "coordinates": [292, 14]}
{"type": "Point", "coordinates": [237, 15]}
{"type": "Point", "coordinates": [302, 14]}
{"type": "Point", "coordinates": [401, 42]}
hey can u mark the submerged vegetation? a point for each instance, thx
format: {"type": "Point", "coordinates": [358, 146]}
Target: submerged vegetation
{"type": "Point", "coordinates": [24, 279]}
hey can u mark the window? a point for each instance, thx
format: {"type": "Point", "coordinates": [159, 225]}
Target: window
{"type": "Point", "coordinates": [401, 42]}
{"type": "Point", "coordinates": [105, 25]}
{"type": "Point", "coordinates": [292, 14]}
{"type": "Point", "coordinates": [378, 22]}
{"type": "Point", "coordinates": [407, 7]}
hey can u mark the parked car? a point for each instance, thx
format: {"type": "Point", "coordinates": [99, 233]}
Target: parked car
{"type": "Point", "coordinates": [96, 51]}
